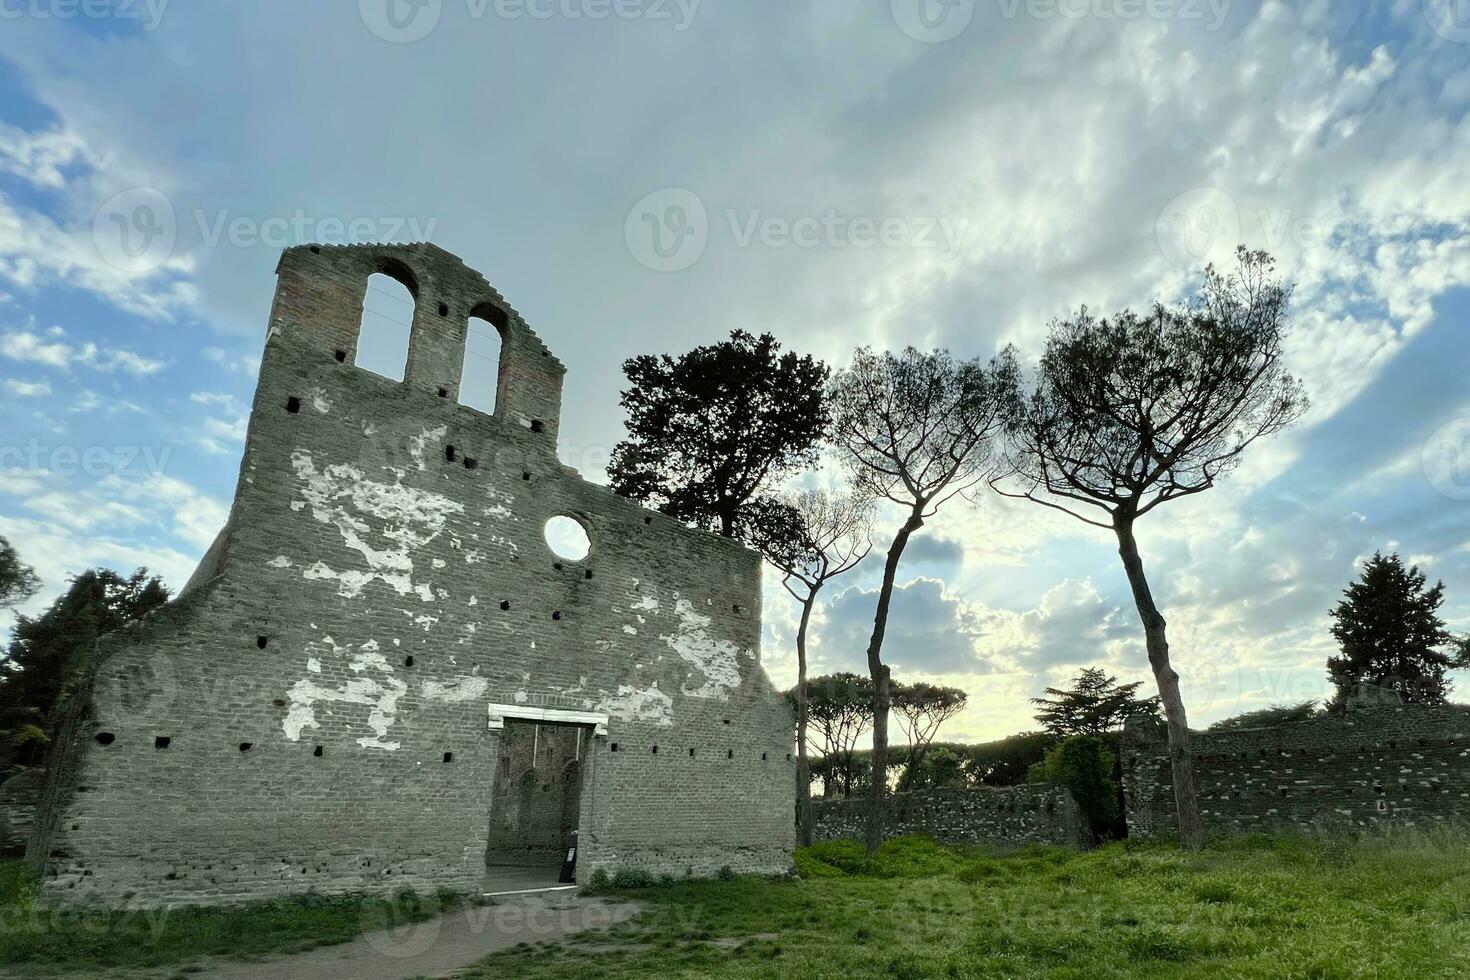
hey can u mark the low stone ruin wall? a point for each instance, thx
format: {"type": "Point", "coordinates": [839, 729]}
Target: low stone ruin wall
{"type": "Point", "coordinates": [19, 793]}
{"type": "Point", "coordinates": [998, 816]}
{"type": "Point", "coordinates": [1403, 766]}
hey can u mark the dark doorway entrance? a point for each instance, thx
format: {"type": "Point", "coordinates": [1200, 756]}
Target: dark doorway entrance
{"type": "Point", "coordinates": [536, 802]}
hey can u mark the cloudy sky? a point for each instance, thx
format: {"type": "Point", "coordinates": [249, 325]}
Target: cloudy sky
{"type": "Point", "coordinates": [645, 175]}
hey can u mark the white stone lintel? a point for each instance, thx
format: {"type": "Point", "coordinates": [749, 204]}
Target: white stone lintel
{"type": "Point", "coordinates": [525, 712]}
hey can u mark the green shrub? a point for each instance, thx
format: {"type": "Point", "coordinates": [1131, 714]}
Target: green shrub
{"type": "Point", "coordinates": [599, 883]}
{"type": "Point", "coordinates": [842, 857]}
{"type": "Point", "coordinates": [1086, 765]}
{"type": "Point", "coordinates": [628, 878]}
{"type": "Point", "coordinates": [726, 873]}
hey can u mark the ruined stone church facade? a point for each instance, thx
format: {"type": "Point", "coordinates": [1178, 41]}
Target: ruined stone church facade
{"type": "Point", "coordinates": [323, 706]}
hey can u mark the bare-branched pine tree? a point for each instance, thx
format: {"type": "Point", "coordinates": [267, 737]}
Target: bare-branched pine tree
{"type": "Point", "coordinates": [825, 535]}
{"type": "Point", "coordinates": [1133, 412]}
{"type": "Point", "coordinates": [916, 429]}
{"type": "Point", "coordinates": [922, 709]}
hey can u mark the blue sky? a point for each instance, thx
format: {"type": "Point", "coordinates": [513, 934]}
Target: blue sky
{"type": "Point", "coordinates": [648, 175]}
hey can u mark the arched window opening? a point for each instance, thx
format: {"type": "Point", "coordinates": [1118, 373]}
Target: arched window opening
{"type": "Point", "coordinates": [482, 350]}
{"type": "Point", "coordinates": [387, 319]}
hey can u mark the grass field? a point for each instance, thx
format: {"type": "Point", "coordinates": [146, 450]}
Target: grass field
{"type": "Point", "coordinates": [83, 940]}
{"type": "Point", "coordinates": [1242, 908]}
{"type": "Point", "coordinates": [1285, 907]}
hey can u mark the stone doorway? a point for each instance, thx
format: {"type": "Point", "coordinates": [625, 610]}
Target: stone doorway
{"type": "Point", "coordinates": [536, 802]}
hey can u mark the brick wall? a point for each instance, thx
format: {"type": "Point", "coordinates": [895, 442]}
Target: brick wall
{"type": "Point", "coordinates": [20, 791]}
{"type": "Point", "coordinates": [311, 712]}
{"type": "Point", "coordinates": [1007, 816]}
{"type": "Point", "coordinates": [1404, 766]}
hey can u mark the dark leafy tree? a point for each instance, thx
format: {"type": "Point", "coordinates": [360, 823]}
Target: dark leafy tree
{"type": "Point", "coordinates": [1006, 762]}
{"type": "Point", "coordinates": [34, 670]}
{"type": "Point", "coordinates": [922, 708]}
{"type": "Point", "coordinates": [1132, 412]}
{"type": "Point", "coordinates": [811, 538]}
{"type": "Point", "coordinates": [941, 767]}
{"type": "Point", "coordinates": [1095, 704]}
{"type": "Point", "coordinates": [707, 430]}
{"type": "Point", "coordinates": [1087, 765]}
{"type": "Point", "coordinates": [18, 581]}
{"type": "Point", "coordinates": [1266, 717]}
{"type": "Point", "coordinates": [916, 429]}
{"type": "Point", "coordinates": [1390, 635]}
{"type": "Point", "coordinates": [841, 710]}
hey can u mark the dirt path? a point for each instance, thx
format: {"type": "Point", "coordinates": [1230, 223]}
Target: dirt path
{"type": "Point", "coordinates": [436, 947]}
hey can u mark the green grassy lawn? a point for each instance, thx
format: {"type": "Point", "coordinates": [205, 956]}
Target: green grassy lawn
{"type": "Point", "coordinates": [1243, 908]}
{"type": "Point", "coordinates": [39, 940]}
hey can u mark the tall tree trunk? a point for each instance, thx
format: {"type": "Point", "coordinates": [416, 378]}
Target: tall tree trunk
{"type": "Point", "coordinates": [1186, 796]}
{"type": "Point", "coordinates": [803, 765]}
{"type": "Point", "coordinates": [882, 697]}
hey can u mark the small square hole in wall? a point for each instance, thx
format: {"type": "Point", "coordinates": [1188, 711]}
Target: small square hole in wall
{"type": "Point", "coordinates": [647, 520]}
{"type": "Point", "coordinates": [729, 753]}
{"type": "Point", "coordinates": [505, 605]}
{"type": "Point", "coordinates": [246, 746]}
{"type": "Point", "coordinates": [341, 356]}
{"type": "Point", "coordinates": [443, 309]}
{"type": "Point", "coordinates": [557, 565]}
{"type": "Point", "coordinates": [588, 574]}
{"type": "Point", "coordinates": [613, 747]}
{"type": "Point", "coordinates": [655, 750]}
{"type": "Point", "coordinates": [736, 607]}
{"type": "Point", "coordinates": [538, 426]}
{"type": "Point", "coordinates": [443, 392]}
{"type": "Point", "coordinates": [763, 757]}
{"type": "Point", "coordinates": [261, 642]}
{"type": "Point", "coordinates": [691, 753]}
{"type": "Point", "coordinates": [293, 404]}
{"type": "Point", "coordinates": [316, 249]}
{"type": "Point", "coordinates": [788, 756]}
{"type": "Point", "coordinates": [105, 738]}
{"type": "Point", "coordinates": [556, 615]}
{"type": "Point", "coordinates": [448, 756]}
{"type": "Point", "coordinates": [317, 752]}
{"type": "Point", "coordinates": [449, 454]}
{"type": "Point", "coordinates": [162, 741]}
{"type": "Point", "coordinates": [408, 661]}
{"type": "Point", "coordinates": [471, 463]}
{"type": "Point", "coordinates": [526, 475]}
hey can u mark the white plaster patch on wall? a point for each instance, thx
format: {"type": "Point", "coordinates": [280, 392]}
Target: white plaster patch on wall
{"type": "Point", "coordinates": [426, 621]}
{"type": "Point", "coordinates": [320, 401]}
{"type": "Point", "coordinates": [459, 690]}
{"type": "Point", "coordinates": [646, 602]}
{"type": "Point", "coordinates": [403, 518]}
{"type": "Point", "coordinates": [639, 704]}
{"type": "Point", "coordinates": [280, 561]}
{"type": "Point", "coordinates": [716, 660]}
{"type": "Point", "coordinates": [631, 631]}
{"type": "Point", "coordinates": [380, 693]}
{"type": "Point", "coordinates": [419, 443]}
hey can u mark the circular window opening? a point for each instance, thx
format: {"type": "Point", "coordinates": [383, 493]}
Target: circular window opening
{"type": "Point", "coordinates": [568, 538]}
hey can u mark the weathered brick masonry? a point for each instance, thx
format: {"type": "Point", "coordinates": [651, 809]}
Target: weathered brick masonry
{"type": "Point", "coordinates": [1402, 766]}
{"type": "Point", "coordinates": [1007, 816]}
{"type": "Point", "coordinates": [317, 709]}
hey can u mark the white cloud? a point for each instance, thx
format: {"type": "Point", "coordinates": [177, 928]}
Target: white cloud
{"type": "Point", "coordinates": [27, 389]}
{"type": "Point", "coordinates": [29, 347]}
